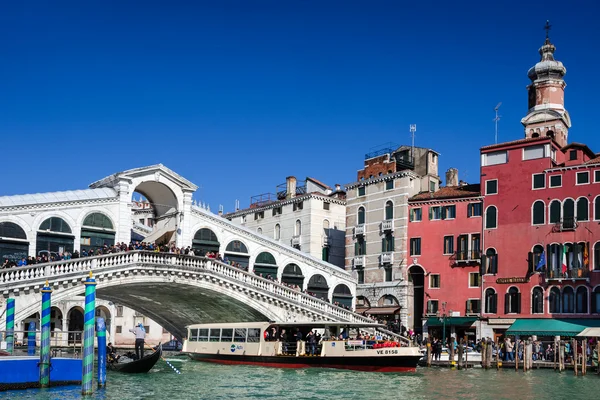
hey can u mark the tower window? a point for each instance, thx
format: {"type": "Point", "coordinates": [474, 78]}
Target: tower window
{"type": "Point", "coordinates": [539, 181]}
{"type": "Point", "coordinates": [573, 155]}
{"type": "Point", "coordinates": [583, 178]}
{"type": "Point", "coordinates": [491, 187]}
{"type": "Point", "coordinates": [555, 181]}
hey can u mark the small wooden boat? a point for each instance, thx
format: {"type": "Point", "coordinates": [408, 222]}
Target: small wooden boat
{"type": "Point", "coordinates": [137, 366]}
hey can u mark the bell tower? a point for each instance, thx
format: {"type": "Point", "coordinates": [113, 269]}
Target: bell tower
{"type": "Point", "coordinates": [546, 114]}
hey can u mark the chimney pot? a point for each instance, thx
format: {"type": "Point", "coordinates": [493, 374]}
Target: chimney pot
{"type": "Point", "coordinates": [290, 190]}
{"type": "Point", "coordinates": [452, 177]}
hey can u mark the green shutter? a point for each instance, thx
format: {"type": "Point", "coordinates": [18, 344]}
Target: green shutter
{"type": "Point", "coordinates": [430, 213]}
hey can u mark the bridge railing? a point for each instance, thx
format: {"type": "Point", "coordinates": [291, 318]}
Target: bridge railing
{"type": "Point", "coordinates": [74, 267]}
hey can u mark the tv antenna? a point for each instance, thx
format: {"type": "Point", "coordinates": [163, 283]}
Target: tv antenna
{"type": "Point", "coordinates": [413, 129]}
{"type": "Point", "coordinates": [497, 119]}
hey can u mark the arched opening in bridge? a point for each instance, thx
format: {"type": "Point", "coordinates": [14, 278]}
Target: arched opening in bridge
{"type": "Point", "coordinates": [56, 320]}
{"type": "Point", "coordinates": [25, 325]}
{"type": "Point", "coordinates": [317, 285]}
{"type": "Point", "coordinates": [155, 213]}
{"type": "Point", "coordinates": [97, 231]}
{"type": "Point", "coordinates": [416, 295]}
{"type": "Point", "coordinates": [75, 317]}
{"type": "Point", "coordinates": [54, 237]}
{"type": "Point", "coordinates": [342, 295]}
{"type": "Point", "coordinates": [292, 275]}
{"type": "Point", "coordinates": [265, 265]}
{"type": "Point", "coordinates": [237, 252]}
{"type": "Point", "coordinates": [205, 241]}
{"type": "Point", "coordinates": [362, 305]}
{"type": "Point", "coordinates": [104, 312]}
{"type": "Point", "coordinates": [13, 242]}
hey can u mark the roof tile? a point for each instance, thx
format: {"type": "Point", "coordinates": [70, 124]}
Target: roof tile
{"type": "Point", "coordinates": [450, 192]}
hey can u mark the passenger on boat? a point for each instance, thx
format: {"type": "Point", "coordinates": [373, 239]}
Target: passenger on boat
{"type": "Point", "coordinates": [283, 340]}
{"type": "Point", "coordinates": [312, 342]}
{"type": "Point", "coordinates": [111, 354]}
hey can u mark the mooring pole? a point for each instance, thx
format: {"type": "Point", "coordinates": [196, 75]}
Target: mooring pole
{"type": "Point", "coordinates": [101, 334]}
{"type": "Point", "coordinates": [88, 336]}
{"type": "Point", "coordinates": [10, 325]}
{"type": "Point", "coordinates": [31, 339]}
{"type": "Point", "coordinates": [45, 341]}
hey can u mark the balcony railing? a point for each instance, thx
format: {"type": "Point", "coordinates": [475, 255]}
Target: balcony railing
{"type": "Point", "coordinates": [386, 258]}
{"type": "Point", "coordinates": [387, 225]}
{"type": "Point", "coordinates": [566, 224]}
{"type": "Point", "coordinates": [572, 274]}
{"type": "Point", "coordinates": [359, 261]}
{"type": "Point", "coordinates": [468, 256]}
{"type": "Point", "coordinates": [326, 241]}
{"type": "Point", "coordinates": [295, 240]}
{"type": "Point", "coordinates": [359, 230]}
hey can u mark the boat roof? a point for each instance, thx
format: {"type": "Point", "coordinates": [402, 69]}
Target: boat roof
{"type": "Point", "coordinates": [317, 324]}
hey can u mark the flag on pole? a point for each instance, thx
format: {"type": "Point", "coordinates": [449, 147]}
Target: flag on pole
{"type": "Point", "coordinates": [564, 260]}
{"type": "Point", "coordinates": [542, 261]}
{"type": "Point", "coordinates": [586, 257]}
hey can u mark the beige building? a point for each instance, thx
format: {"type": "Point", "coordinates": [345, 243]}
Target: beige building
{"type": "Point", "coordinates": [376, 226]}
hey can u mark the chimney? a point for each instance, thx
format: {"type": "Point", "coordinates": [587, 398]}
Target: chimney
{"type": "Point", "coordinates": [290, 187]}
{"type": "Point", "coordinates": [452, 177]}
{"type": "Point", "coordinates": [338, 187]}
{"type": "Point", "coordinates": [462, 183]}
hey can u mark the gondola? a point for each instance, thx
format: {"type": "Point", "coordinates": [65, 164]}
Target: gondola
{"type": "Point", "coordinates": [137, 366]}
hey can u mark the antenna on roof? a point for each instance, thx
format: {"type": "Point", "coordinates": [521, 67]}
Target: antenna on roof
{"type": "Point", "coordinates": [413, 129]}
{"type": "Point", "coordinates": [237, 205]}
{"type": "Point", "coordinates": [496, 120]}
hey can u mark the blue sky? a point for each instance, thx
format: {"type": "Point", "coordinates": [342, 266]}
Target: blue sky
{"type": "Point", "coordinates": [237, 95]}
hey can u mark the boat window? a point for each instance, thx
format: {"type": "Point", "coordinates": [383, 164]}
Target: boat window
{"type": "Point", "coordinates": [227, 335]}
{"type": "Point", "coordinates": [203, 335]}
{"type": "Point", "coordinates": [240, 335]}
{"type": "Point", "coordinates": [215, 335]}
{"type": "Point", "coordinates": [193, 335]}
{"type": "Point", "coordinates": [253, 335]}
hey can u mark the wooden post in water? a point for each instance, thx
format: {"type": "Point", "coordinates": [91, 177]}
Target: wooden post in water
{"type": "Point", "coordinates": [451, 351]}
{"type": "Point", "coordinates": [561, 356]}
{"type": "Point", "coordinates": [574, 347]}
{"type": "Point", "coordinates": [516, 357]}
{"type": "Point", "coordinates": [467, 356]}
{"type": "Point", "coordinates": [497, 356]}
{"type": "Point", "coordinates": [484, 354]}
{"type": "Point", "coordinates": [525, 365]}
{"type": "Point", "coordinates": [460, 354]}
{"type": "Point", "coordinates": [429, 353]}
{"type": "Point", "coordinates": [530, 360]}
{"type": "Point", "coordinates": [555, 353]}
{"type": "Point", "coordinates": [489, 355]}
{"type": "Point", "coordinates": [598, 355]}
{"type": "Point", "coordinates": [583, 356]}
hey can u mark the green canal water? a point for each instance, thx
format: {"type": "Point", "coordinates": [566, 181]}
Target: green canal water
{"type": "Point", "coordinates": [208, 381]}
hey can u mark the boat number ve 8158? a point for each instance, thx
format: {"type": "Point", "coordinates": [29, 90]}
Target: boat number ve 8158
{"type": "Point", "coordinates": [391, 351]}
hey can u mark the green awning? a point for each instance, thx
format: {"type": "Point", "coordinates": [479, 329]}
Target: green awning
{"type": "Point", "coordinates": [451, 321]}
{"type": "Point", "coordinates": [551, 327]}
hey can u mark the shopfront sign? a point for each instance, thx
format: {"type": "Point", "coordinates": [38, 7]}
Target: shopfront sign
{"type": "Point", "coordinates": [515, 279]}
{"type": "Point", "coordinates": [501, 321]}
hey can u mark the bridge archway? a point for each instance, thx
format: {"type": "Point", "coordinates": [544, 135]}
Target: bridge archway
{"type": "Point", "coordinates": [265, 265]}
{"type": "Point", "coordinates": [75, 324]}
{"type": "Point", "coordinates": [97, 231]}
{"type": "Point", "coordinates": [54, 235]}
{"type": "Point", "coordinates": [104, 312]}
{"type": "Point", "coordinates": [14, 245]}
{"type": "Point", "coordinates": [205, 241]}
{"type": "Point", "coordinates": [292, 275]}
{"type": "Point", "coordinates": [236, 251]}
{"type": "Point", "coordinates": [342, 295]}
{"type": "Point", "coordinates": [317, 285]}
{"type": "Point", "coordinates": [416, 297]}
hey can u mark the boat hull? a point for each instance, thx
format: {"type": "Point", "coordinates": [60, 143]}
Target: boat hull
{"type": "Point", "coordinates": [138, 366]}
{"type": "Point", "coordinates": [373, 364]}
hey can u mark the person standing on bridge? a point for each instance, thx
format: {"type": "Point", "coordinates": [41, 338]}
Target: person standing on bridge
{"type": "Point", "coordinates": [140, 335]}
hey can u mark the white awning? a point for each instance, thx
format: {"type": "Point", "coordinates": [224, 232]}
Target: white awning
{"type": "Point", "coordinates": [590, 332]}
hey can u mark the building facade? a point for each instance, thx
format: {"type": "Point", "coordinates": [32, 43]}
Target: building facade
{"type": "Point", "coordinates": [377, 222]}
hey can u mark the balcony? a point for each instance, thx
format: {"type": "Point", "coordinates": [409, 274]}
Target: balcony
{"type": "Point", "coordinates": [565, 224]}
{"type": "Point", "coordinates": [386, 258]}
{"type": "Point", "coordinates": [358, 261]}
{"type": "Point", "coordinates": [326, 241]}
{"type": "Point", "coordinates": [573, 274]}
{"type": "Point", "coordinates": [387, 225]}
{"type": "Point", "coordinates": [467, 256]}
{"type": "Point", "coordinates": [359, 230]}
{"type": "Point", "coordinates": [296, 240]}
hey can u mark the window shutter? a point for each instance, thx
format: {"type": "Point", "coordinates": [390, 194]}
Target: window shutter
{"type": "Point", "coordinates": [444, 210]}
{"type": "Point", "coordinates": [575, 260]}
{"type": "Point", "coordinates": [493, 307]}
{"type": "Point", "coordinates": [468, 307]}
{"type": "Point", "coordinates": [392, 247]}
{"type": "Point", "coordinates": [530, 263]}
{"type": "Point", "coordinates": [430, 213]}
{"type": "Point", "coordinates": [518, 303]}
{"type": "Point", "coordinates": [506, 302]}
{"type": "Point", "coordinates": [549, 259]}
{"type": "Point", "coordinates": [495, 263]}
{"type": "Point", "coordinates": [469, 210]}
{"type": "Point", "coordinates": [594, 301]}
{"type": "Point", "coordinates": [356, 248]}
{"type": "Point", "coordinates": [383, 245]}
{"type": "Point", "coordinates": [483, 266]}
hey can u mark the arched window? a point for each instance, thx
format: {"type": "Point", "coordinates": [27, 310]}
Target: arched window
{"type": "Point", "coordinates": [259, 231]}
{"type": "Point", "coordinates": [389, 210]}
{"type": "Point", "coordinates": [581, 300]}
{"type": "Point", "coordinates": [361, 216]}
{"type": "Point", "coordinates": [490, 261]}
{"type": "Point", "coordinates": [266, 265]}
{"type": "Point", "coordinates": [491, 217]}
{"type": "Point", "coordinates": [98, 220]}
{"type": "Point", "coordinates": [236, 246]}
{"type": "Point", "coordinates": [539, 210]}
{"type": "Point", "coordinates": [205, 241]}
{"type": "Point", "coordinates": [491, 301]}
{"type": "Point", "coordinates": [568, 305]}
{"type": "Point", "coordinates": [13, 242]}
{"type": "Point", "coordinates": [555, 212]}
{"type": "Point", "coordinates": [55, 224]}
{"type": "Point", "coordinates": [298, 229]}
{"type": "Point", "coordinates": [292, 275]}
{"type": "Point", "coordinates": [97, 231]}
{"type": "Point", "coordinates": [583, 209]}
{"type": "Point", "coordinates": [342, 295]}
{"type": "Point", "coordinates": [317, 286]}
{"type": "Point", "coordinates": [537, 255]}
{"type": "Point", "coordinates": [512, 301]}
{"type": "Point", "coordinates": [388, 300]}
{"type": "Point", "coordinates": [568, 214]}
{"type": "Point", "coordinates": [237, 252]}
{"type": "Point", "coordinates": [597, 208]}
{"type": "Point", "coordinates": [54, 237]}
{"type": "Point", "coordinates": [277, 232]}
{"type": "Point", "coordinates": [554, 300]}
{"type": "Point", "coordinates": [596, 300]}
{"type": "Point", "coordinates": [537, 301]}
{"type": "Point", "coordinates": [597, 256]}
{"type": "Point", "coordinates": [12, 230]}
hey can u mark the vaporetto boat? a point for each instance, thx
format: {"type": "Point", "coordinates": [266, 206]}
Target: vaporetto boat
{"type": "Point", "coordinates": [288, 345]}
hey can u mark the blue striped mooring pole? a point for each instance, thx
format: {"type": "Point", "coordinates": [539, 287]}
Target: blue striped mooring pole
{"type": "Point", "coordinates": [101, 334]}
{"type": "Point", "coordinates": [31, 339]}
{"type": "Point", "coordinates": [88, 336]}
{"type": "Point", "coordinates": [45, 342]}
{"type": "Point", "coordinates": [10, 325]}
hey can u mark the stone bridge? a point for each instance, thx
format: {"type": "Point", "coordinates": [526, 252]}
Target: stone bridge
{"type": "Point", "coordinates": [172, 289]}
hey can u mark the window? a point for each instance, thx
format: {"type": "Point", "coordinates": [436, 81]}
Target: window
{"type": "Point", "coordinates": [555, 181]}
{"type": "Point", "coordinates": [387, 243]}
{"type": "Point", "coordinates": [259, 215]}
{"type": "Point", "coordinates": [147, 328]}
{"type": "Point", "coordinates": [239, 335]}
{"type": "Point", "coordinates": [141, 221]}
{"type": "Point", "coordinates": [555, 207]}
{"type": "Point", "coordinates": [597, 208]}
{"type": "Point", "coordinates": [448, 244]}
{"type": "Point", "coordinates": [360, 247]}
{"type": "Point", "coordinates": [490, 301]}
{"type": "Point", "coordinates": [512, 301]}
{"type": "Point", "coordinates": [474, 210]}
{"type": "Point", "coordinates": [597, 256]}
{"type": "Point", "coordinates": [597, 176]}
{"type": "Point", "coordinates": [539, 181]}
{"type": "Point", "coordinates": [259, 231]}
{"type": "Point", "coordinates": [361, 216]}
{"type": "Point", "coordinates": [389, 185]}
{"type": "Point", "coordinates": [533, 152]}
{"type": "Point", "coordinates": [253, 335]}
{"type": "Point", "coordinates": [568, 304]}
{"type": "Point", "coordinates": [298, 230]}
{"type": "Point", "coordinates": [554, 301]}
{"type": "Point", "coordinates": [583, 178]}
{"type": "Point", "coordinates": [389, 210]}
{"type": "Point", "coordinates": [415, 246]}
{"type": "Point", "coordinates": [475, 246]}
{"type": "Point", "coordinates": [360, 275]}
{"type": "Point", "coordinates": [538, 213]}
{"type": "Point", "coordinates": [537, 301]}
{"type": "Point", "coordinates": [473, 306]}
{"type": "Point", "coordinates": [298, 206]}
{"type": "Point", "coordinates": [474, 279]}
{"type": "Point", "coordinates": [435, 213]}
{"type": "Point", "coordinates": [276, 211]}
{"type": "Point", "coordinates": [491, 187]}
{"type": "Point", "coordinates": [535, 258]}
{"type": "Point", "coordinates": [226, 335]}
{"type": "Point", "coordinates": [361, 191]}
{"type": "Point", "coordinates": [449, 212]}
{"type": "Point", "coordinates": [490, 262]}
{"type": "Point", "coordinates": [325, 205]}
{"type": "Point", "coordinates": [119, 329]}
{"type": "Point", "coordinates": [582, 209]}
{"type": "Point", "coordinates": [432, 186]}
{"type": "Point", "coordinates": [277, 232]}
{"type": "Point", "coordinates": [495, 158]}
{"type": "Point", "coordinates": [581, 300]}
{"type": "Point", "coordinates": [415, 214]}
{"type": "Point", "coordinates": [568, 213]}
{"type": "Point", "coordinates": [462, 247]}
{"type": "Point", "coordinates": [434, 281]}
{"type": "Point", "coordinates": [215, 335]}
{"type": "Point", "coordinates": [572, 155]}
{"type": "Point", "coordinates": [432, 307]}
{"type": "Point", "coordinates": [388, 273]}
{"type": "Point", "coordinates": [119, 311]}
{"type": "Point", "coordinates": [491, 218]}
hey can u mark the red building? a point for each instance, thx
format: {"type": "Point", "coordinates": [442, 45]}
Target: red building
{"type": "Point", "coordinates": [541, 225]}
{"type": "Point", "coordinates": [444, 242]}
